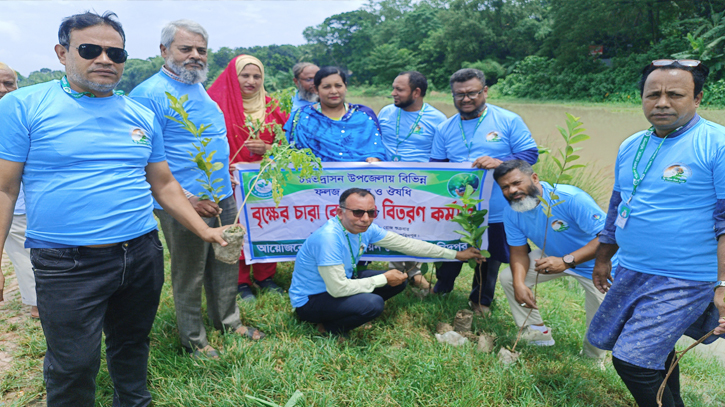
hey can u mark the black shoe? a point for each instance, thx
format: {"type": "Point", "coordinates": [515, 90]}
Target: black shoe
{"type": "Point", "coordinates": [269, 285]}
{"type": "Point", "coordinates": [245, 292]}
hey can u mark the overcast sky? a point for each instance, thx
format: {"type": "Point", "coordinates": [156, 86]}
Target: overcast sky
{"type": "Point", "coordinates": [29, 29]}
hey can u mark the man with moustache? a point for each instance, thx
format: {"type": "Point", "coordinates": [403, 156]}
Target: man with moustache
{"type": "Point", "coordinates": [571, 242]}
{"type": "Point", "coordinates": [304, 79]}
{"type": "Point", "coordinates": [486, 136]}
{"type": "Point", "coordinates": [193, 265]}
{"type": "Point", "coordinates": [90, 161]}
{"type": "Point", "coordinates": [669, 181]}
{"type": "Point", "coordinates": [408, 127]}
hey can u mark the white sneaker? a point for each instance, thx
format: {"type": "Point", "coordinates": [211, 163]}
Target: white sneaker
{"type": "Point", "coordinates": [538, 338]}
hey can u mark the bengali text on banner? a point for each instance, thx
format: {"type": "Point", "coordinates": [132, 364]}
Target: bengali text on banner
{"type": "Point", "coordinates": [411, 198]}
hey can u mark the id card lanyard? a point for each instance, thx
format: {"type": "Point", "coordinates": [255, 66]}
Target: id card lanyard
{"type": "Point", "coordinates": [468, 145]}
{"type": "Point", "coordinates": [352, 253]}
{"type": "Point", "coordinates": [396, 157]}
{"type": "Point", "coordinates": [77, 95]}
{"type": "Point", "coordinates": [637, 179]}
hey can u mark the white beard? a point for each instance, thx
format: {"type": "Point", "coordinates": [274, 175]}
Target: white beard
{"type": "Point", "coordinates": [307, 96]}
{"type": "Point", "coordinates": [190, 77]}
{"type": "Point", "coordinates": [525, 204]}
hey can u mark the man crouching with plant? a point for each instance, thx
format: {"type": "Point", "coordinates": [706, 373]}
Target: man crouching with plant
{"type": "Point", "coordinates": [327, 288]}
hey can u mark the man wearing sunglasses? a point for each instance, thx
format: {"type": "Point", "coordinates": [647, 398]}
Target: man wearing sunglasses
{"type": "Point", "coordinates": [90, 161]}
{"type": "Point", "coordinates": [327, 287]}
{"type": "Point", "coordinates": [193, 265]}
{"type": "Point", "coordinates": [667, 217]}
{"type": "Point", "coordinates": [484, 135]}
{"type": "Point", "coordinates": [304, 78]}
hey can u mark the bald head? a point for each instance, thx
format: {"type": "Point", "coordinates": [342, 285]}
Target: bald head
{"type": "Point", "coordinates": [8, 80]}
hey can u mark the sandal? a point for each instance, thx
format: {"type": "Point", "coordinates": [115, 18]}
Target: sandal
{"type": "Point", "coordinates": [206, 352]}
{"type": "Point", "coordinates": [250, 332]}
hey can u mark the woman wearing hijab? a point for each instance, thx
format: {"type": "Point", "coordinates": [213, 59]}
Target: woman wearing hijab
{"type": "Point", "coordinates": [239, 92]}
{"type": "Point", "coordinates": [335, 130]}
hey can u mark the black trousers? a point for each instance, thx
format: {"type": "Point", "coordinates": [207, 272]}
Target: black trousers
{"type": "Point", "coordinates": [644, 383]}
{"type": "Point", "coordinates": [85, 291]}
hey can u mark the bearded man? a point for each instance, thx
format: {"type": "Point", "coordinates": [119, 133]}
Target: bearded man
{"type": "Point", "coordinates": [571, 244]}
{"type": "Point", "coordinates": [304, 79]}
{"type": "Point", "coordinates": [193, 265]}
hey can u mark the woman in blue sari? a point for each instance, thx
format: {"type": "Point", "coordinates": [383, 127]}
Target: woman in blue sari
{"type": "Point", "coordinates": [335, 130]}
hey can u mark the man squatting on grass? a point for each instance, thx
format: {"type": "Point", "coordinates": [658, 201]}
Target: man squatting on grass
{"type": "Point", "coordinates": [90, 161]}
{"type": "Point", "coordinates": [667, 217]}
{"type": "Point", "coordinates": [184, 49]}
{"type": "Point", "coordinates": [326, 287]}
{"type": "Point", "coordinates": [572, 241]}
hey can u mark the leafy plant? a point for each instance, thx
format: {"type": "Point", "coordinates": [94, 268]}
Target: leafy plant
{"type": "Point", "coordinates": [470, 220]}
{"type": "Point", "coordinates": [202, 158]}
{"type": "Point", "coordinates": [292, 402]}
{"type": "Point", "coordinates": [256, 127]}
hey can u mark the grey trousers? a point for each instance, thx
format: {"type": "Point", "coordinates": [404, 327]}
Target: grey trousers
{"type": "Point", "coordinates": [193, 265]}
{"type": "Point", "coordinates": [20, 256]}
{"type": "Point", "coordinates": [411, 267]}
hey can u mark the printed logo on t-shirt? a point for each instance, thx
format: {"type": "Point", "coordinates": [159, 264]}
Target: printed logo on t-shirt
{"type": "Point", "coordinates": [493, 137]}
{"type": "Point", "coordinates": [677, 173]}
{"type": "Point", "coordinates": [596, 216]}
{"type": "Point", "coordinates": [139, 137]}
{"type": "Point", "coordinates": [559, 225]}
{"type": "Point", "coordinates": [418, 129]}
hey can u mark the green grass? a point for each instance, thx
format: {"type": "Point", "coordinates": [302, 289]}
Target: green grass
{"type": "Point", "coordinates": [395, 363]}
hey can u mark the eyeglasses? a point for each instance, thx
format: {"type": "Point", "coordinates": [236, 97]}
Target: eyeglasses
{"type": "Point", "coordinates": [358, 213]}
{"type": "Point", "coordinates": [471, 95]}
{"type": "Point", "coordinates": [684, 62]}
{"type": "Point", "coordinates": [91, 51]}
{"type": "Point", "coordinates": [308, 80]}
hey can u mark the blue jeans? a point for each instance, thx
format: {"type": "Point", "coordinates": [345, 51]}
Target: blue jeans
{"type": "Point", "coordinates": [83, 291]}
{"type": "Point", "coordinates": [340, 315]}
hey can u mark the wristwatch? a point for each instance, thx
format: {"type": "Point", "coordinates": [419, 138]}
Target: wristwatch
{"type": "Point", "coordinates": [569, 261]}
{"type": "Point", "coordinates": [719, 284]}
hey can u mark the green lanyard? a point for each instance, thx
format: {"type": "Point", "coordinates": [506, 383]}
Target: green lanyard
{"type": "Point", "coordinates": [637, 179]}
{"type": "Point", "coordinates": [412, 129]}
{"type": "Point", "coordinates": [463, 133]}
{"type": "Point", "coordinates": [66, 87]}
{"type": "Point", "coordinates": [349, 244]}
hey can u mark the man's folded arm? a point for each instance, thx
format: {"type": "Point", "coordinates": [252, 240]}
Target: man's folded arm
{"type": "Point", "coordinates": [338, 285]}
{"type": "Point", "coordinates": [415, 247]}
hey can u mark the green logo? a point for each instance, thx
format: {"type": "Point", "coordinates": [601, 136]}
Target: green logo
{"type": "Point", "coordinates": [457, 184]}
{"type": "Point", "coordinates": [139, 137]}
{"type": "Point", "coordinates": [493, 137]}
{"type": "Point", "coordinates": [677, 173]}
{"type": "Point", "coordinates": [559, 225]}
{"type": "Point", "coordinates": [263, 189]}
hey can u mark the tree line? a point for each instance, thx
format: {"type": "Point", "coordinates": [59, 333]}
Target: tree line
{"type": "Point", "coordinates": [544, 49]}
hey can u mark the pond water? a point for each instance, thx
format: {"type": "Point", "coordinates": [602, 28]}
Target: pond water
{"type": "Point", "coordinates": [607, 126]}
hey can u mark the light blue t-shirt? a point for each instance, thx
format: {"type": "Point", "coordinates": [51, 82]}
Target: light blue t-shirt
{"type": "Point", "coordinates": [415, 148]}
{"type": "Point", "coordinates": [670, 228]}
{"type": "Point", "coordinates": [177, 141]}
{"type": "Point", "coordinates": [501, 134]}
{"type": "Point", "coordinates": [573, 224]}
{"type": "Point", "coordinates": [327, 246]}
{"type": "Point", "coordinates": [85, 164]}
{"type": "Point", "coordinates": [298, 103]}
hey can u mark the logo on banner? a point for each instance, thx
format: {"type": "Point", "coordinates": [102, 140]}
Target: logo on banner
{"type": "Point", "coordinates": [457, 184]}
{"type": "Point", "coordinates": [677, 173]}
{"type": "Point", "coordinates": [262, 190]}
{"type": "Point", "coordinates": [559, 225]}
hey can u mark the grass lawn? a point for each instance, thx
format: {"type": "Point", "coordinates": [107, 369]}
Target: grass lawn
{"type": "Point", "coordinates": [397, 362]}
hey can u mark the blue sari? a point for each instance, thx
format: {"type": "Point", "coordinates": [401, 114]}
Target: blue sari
{"type": "Point", "coordinates": [353, 138]}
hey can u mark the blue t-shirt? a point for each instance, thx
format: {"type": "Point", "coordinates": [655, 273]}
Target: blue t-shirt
{"type": "Point", "coordinates": [327, 246]}
{"type": "Point", "coordinates": [670, 228]}
{"type": "Point", "coordinates": [416, 147]}
{"type": "Point", "coordinates": [85, 164]}
{"type": "Point", "coordinates": [501, 134]}
{"type": "Point", "coordinates": [298, 103]}
{"type": "Point", "coordinates": [177, 141]}
{"type": "Point", "coordinates": [573, 224]}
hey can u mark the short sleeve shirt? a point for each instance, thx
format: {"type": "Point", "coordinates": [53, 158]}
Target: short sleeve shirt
{"type": "Point", "coordinates": [328, 246]}
{"type": "Point", "coordinates": [500, 134]}
{"type": "Point", "coordinates": [401, 139]}
{"type": "Point", "coordinates": [85, 163]}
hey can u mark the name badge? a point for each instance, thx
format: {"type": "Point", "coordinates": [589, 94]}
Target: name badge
{"type": "Point", "coordinates": [396, 158]}
{"type": "Point", "coordinates": [623, 217]}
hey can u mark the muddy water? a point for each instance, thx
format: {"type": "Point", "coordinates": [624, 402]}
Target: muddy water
{"type": "Point", "coordinates": [608, 126]}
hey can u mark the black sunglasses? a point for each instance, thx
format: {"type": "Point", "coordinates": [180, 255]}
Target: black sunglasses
{"type": "Point", "coordinates": [358, 213]}
{"type": "Point", "coordinates": [91, 51]}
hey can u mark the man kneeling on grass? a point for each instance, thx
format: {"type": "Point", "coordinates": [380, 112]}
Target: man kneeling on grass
{"type": "Point", "coordinates": [327, 288]}
{"type": "Point", "coordinates": [570, 246]}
